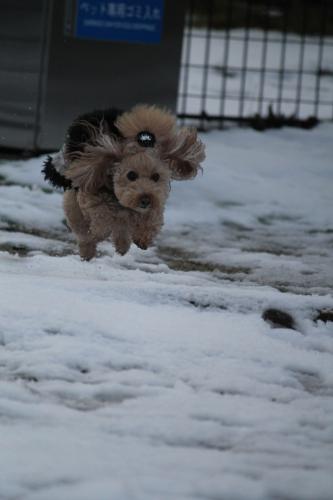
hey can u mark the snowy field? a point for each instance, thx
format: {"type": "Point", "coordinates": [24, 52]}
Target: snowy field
{"type": "Point", "coordinates": [153, 376]}
{"type": "Point", "coordinates": [227, 72]}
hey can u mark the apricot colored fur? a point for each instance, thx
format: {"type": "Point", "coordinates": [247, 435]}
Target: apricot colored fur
{"type": "Point", "coordinates": [119, 188]}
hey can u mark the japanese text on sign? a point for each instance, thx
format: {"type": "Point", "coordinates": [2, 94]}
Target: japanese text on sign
{"type": "Point", "coordinates": [126, 20]}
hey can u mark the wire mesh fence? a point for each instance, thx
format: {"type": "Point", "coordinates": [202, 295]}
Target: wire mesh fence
{"type": "Point", "coordinates": [266, 62]}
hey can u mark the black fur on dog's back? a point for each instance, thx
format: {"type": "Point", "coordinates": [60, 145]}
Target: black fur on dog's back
{"type": "Point", "coordinates": [79, 134]}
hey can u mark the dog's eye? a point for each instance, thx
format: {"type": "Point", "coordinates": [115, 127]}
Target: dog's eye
{"type": "Point", "coordinates": [155, 177]}
{"type": "Point", "coordinates": [132, 176]}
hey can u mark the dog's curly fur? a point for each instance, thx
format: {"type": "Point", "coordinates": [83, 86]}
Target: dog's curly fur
{"type": "Point", "coordinates": [116, 185]}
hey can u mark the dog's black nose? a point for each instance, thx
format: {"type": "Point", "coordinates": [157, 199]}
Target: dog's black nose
{"type": "Point", "coordinates": [144, 201]}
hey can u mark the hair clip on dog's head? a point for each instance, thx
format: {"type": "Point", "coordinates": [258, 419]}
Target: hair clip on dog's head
{"type": "Point", "coordinates": [146, 139]}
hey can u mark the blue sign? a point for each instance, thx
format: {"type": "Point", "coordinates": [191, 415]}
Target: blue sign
{"type": "Point", "coordinates": [124, 20]}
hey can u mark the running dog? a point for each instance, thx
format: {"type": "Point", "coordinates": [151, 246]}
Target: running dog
{"type": "Point", "coordinates": [116, 170]}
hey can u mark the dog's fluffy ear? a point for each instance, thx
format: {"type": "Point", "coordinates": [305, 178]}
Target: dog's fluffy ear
{"type": "Point", "coordinates": [185, 152]}
{"type": "Point", "coordinates": [90, 169]}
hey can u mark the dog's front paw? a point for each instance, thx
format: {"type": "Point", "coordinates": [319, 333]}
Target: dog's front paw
{"type": "Point", "coordinates": [122, 246]}
{"type": "Point", "coordinates": [143, 244]}
{"type": "Point", "coordinates": [87, 250]}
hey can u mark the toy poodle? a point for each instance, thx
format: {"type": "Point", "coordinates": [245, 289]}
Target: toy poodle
{"type": "Point", "coordinates": [116, 170]}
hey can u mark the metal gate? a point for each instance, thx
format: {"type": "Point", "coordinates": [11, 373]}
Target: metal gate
{"type": "Point", "coordinates": [264, 62]}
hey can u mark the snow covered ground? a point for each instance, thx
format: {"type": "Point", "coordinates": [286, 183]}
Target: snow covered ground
{"type": "Point", "coordinates": [153, 376]}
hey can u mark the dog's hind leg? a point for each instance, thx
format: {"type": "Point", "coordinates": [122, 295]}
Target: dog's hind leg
{"type": "Point", "coordinates": [79, 225]}
{"type": "Point", "coordinates": [76, 221]}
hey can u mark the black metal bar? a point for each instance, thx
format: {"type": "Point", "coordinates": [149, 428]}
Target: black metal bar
{"type": "Point", "coordinates": [258, 39]}
{"type": "Point", "coordinates": [301, 71]}
{"type": "Point", "coordinates": [283, 57]}
{"type": "Point", "coordinates": [258, 70]}
{"type": "Point", "coordinates": [262, 123]}
{"type": "Point", "coordinates": [225, 57]}
{"type": "Point", "coordinates": [186, 65]}
{"type": "Point", "coordinates": [263, 68]}
{"type": "Point", "coordinates": [206, 57]}
{"type": "Point", "coordinates": [320, 55]}
{"type": "Point", "coordinates": [216, 118]}
{"type": "Point", "coordinates": [255, 99]}
{"type": "Point", "coordinates": [244, 59]}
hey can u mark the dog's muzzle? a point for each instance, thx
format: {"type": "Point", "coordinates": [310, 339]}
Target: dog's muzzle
{"type": "Point", "coordinates": [145, 201]}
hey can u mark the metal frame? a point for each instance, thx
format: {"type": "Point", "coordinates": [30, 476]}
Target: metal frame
{"type": "Point", "coordinates": [268, 109]}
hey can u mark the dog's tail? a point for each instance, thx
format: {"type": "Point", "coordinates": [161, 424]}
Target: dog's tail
{"type": "Point", "coordinates": [53, 168]}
